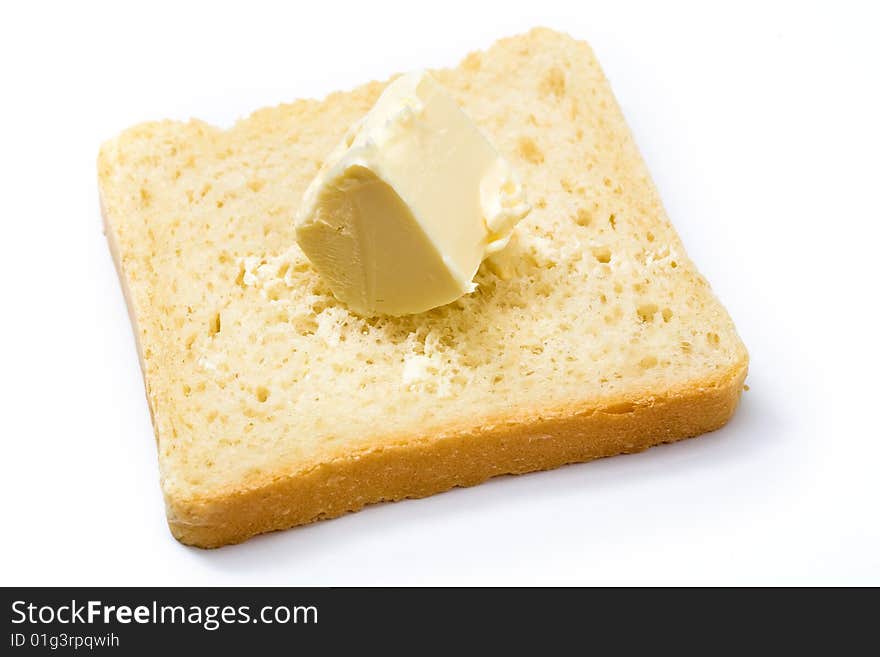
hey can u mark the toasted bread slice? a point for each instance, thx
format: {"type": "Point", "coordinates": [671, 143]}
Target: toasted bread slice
{"type": "Point", "coordinates": [591, 334]}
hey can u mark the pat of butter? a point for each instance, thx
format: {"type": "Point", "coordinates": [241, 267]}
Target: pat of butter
{"type": "Point", "coordinates": [409, 204]}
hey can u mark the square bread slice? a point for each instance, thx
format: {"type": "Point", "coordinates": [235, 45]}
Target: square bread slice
{"type": "Point", "coordinates": [273, 405]}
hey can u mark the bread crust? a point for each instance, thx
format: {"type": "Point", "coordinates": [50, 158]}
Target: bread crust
{"type": "Point", "coordinates": [419, 467]}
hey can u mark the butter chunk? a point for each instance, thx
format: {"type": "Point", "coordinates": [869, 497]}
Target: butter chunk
{"type": "Point", "coordinates": [409, 204]}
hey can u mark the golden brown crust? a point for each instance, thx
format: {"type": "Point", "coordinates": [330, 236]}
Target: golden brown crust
{"type": "Point", "coordinates": [422, 468]}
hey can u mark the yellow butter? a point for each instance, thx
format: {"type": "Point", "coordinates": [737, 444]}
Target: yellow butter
{"type": "Point", "coordinates": [409, 204]}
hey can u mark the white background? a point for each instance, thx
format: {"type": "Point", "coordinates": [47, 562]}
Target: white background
{"type": "Point", "coordinates": [760, 125]}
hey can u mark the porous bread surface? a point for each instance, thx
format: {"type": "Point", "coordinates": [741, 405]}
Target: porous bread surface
{"type": "Point", "coordinates": [264, 387]}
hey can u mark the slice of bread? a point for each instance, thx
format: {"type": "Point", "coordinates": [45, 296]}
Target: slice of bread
{"type": "Point", "coordinates": [592, 334]}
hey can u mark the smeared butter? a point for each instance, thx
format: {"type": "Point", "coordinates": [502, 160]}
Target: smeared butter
{"type": "Point", "coordinates": [409, 204]}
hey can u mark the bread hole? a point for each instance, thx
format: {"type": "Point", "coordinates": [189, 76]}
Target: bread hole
{"type": "Point", "coordinates": [612, 219]}
{"type": "Point", "coordinates": [667, 314]}
{"type": "Point", "coordinates": [619, 409]}
{"type": "Point", "coordinates": [650, 236]}
{"type": "Point", "coordinates": [602, 254]}
{"type": "Point", "coordinates": [553, 83]}
{"type": "Point", "coordinates": [686, 346]}
{"type": "Point", "coordinates": [673, 264]}
{"type": "Point", "coordinates": [214, 325]}
{"type": "Point", "coordinates": [320, 306]}
{"type": "Point", "coordinates": [529, 151]}
{"type": "Point", "coordinates": [256, 185]}
{"type": "Point", "coordinates": [583, 217]}
{"type": "Point", "coordinates": [220, 204]}
{"type": "Point", "coordinates": [239, 279]}
{"type": "Point", "coordinates": [603, 298]}
{"type": "Point", "coordinates": [713, 339]}
{"type": "Point", "coordinates": [607, 182]}
{"type": "Point", "coordinates": [146, 197]}
{"type": "Point", "coordinates": [187, 390]}
{"type": "Point", "coordinates": [274, 293]}
{"type": "Point", "coordinates": [648, 362]}
{"type": "Point", "coordinates": [306, 326]}
{"type": "Point", "coordinates": [262, 394]}
{"type": "Point", "coordinates": [541, 203]}
{"type": "Point", "coordinates": [646, 312]}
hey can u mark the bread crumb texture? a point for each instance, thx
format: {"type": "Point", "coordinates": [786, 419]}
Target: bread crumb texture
{"type": "Point", "coordinates": [255, 372]}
